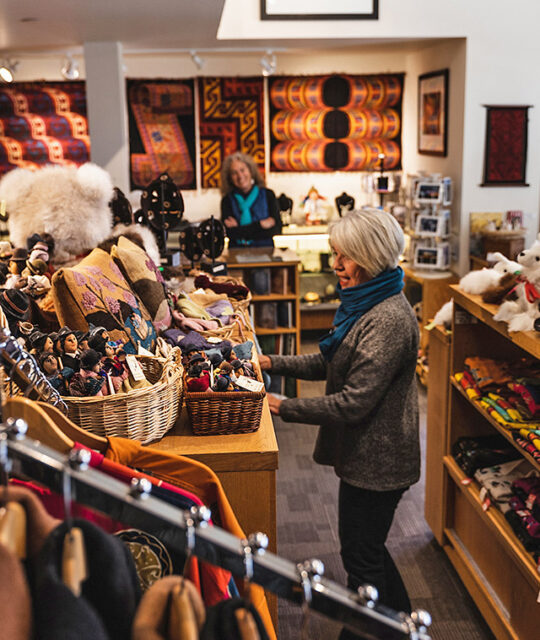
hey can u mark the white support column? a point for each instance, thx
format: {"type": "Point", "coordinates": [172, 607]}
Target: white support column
{"type": "Point", "coordinates": [107, 110]}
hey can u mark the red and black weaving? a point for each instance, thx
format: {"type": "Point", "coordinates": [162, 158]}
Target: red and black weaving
{"type": "Point", "coordinates": [161, 131]}
{"type": "Point", "coordinates": [231, 119]}
{"type": "Point", "coordinates": [43, 123]}
{"type": "Point", "coordinates": [335, 122]}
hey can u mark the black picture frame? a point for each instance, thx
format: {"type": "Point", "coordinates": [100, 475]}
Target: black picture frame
{"type": "Point", "coordinates": [433, 113]}
{"type": "Point", "coordinates": [371, 13]}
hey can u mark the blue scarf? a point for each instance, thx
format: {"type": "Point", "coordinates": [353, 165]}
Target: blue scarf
{"type": "Point", "coordinates": [357, 300]}
{"type": "Point", "coordinates": [245, 204]}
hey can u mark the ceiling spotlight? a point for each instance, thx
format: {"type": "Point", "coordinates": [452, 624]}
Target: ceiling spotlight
{"type": "Point", "coordinates": [7, 69]}
{"type": "Point", "coordinates": [268, 63]}
{"type": "Point", "coordinates": [70, 68]}
{"type": "Point", "coordinates": [197, 60]}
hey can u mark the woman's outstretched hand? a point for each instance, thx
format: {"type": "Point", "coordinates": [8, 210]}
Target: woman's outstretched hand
{"type": "Point", "coordinates": [274, 404]}
{"type": "Point", "coordinates": [268, 223]}
{"type": "Point", "coordinates": [265, 362]}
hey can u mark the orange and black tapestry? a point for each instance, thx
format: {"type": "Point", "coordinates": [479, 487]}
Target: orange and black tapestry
{"type": "Point", "coordinates": [230, 119]}
{"type": "Point", "coordinates": [335, 122]}
{"type": "Point", "coordinates": [161, 131]}
{"type": "Point", "coordinates": [43, 123]}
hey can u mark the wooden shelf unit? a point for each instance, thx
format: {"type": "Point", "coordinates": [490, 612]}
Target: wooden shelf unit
{"type": "Point", "coordinates": [500, 575]}
{"type": "Point", "coordinates": [241, 263]}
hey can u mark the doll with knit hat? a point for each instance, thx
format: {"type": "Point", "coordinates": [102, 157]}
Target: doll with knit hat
{"type": "Point", "coordinates": [69, 348]}
{"type": "Point", "coordinates": [16, 265]}
{"type": "Point", "coordinates": [88, 381]}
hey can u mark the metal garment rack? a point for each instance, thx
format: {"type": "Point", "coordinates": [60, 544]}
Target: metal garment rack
{"type": "Point", "coordinates": [181, 531]}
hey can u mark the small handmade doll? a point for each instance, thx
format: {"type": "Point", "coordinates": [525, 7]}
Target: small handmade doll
{"type": "Point", "coordinates": [40, 343]}
{"type": "Point", "coordinates": [98, 338]}
{"type": "Point", "coordinates": [197, 379]}
{"type": "Point", "coordinates": [88, 381]}
{"type": "Point", "coordinates": [113, 367]}
{"type": "Point", "coordinates": [36, 282]}
{"type": "Point", "coordinates": [58, 379]}
{"type": "Point", "coordinates": [69, 349]}
{"type": "Point", "coordinates": [16, 264]}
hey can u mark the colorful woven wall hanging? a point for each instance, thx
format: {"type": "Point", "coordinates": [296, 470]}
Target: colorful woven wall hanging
{"type": "Point", "coordinates": [43, 123]}
{"type": "Point", "coordinates": [231, 119]}
{"type": "Point", "coordinates": [335, 123]}
{"type": "Point", "coordinates": [161, 131]}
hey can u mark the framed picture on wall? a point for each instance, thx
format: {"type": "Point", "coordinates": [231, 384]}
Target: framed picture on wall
{"type": "Point", "coordinates": [319, 10]}
{"type": "Point", "coordinates": [433, 113]}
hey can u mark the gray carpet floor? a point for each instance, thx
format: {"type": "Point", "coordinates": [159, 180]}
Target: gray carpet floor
{"type": "Point", "coordinates": [307, 528]}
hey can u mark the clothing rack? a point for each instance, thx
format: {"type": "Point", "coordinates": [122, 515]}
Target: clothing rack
{"type": "Point", "coordinates": [178, 529]}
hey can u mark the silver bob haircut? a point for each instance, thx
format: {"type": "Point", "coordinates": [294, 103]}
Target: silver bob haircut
{"type": "Point", "coordinates": [370, 237]}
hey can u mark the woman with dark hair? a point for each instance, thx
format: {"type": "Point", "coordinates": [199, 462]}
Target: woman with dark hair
{"type": "Point", "coordinates": [249, 210]}
{"type": "Point", "coordinates": [368, 416]}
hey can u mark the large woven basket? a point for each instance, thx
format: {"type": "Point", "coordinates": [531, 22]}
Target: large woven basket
{"type": "Point", "coordinates": [144, 414]}
{"type": "Point", "coordinates": [223, 413]}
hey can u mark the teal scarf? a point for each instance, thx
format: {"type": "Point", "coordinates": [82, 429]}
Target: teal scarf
{"type": "Point", "coordinates": [245, 204]}
{"type": "Point", "coordinates": [357, 300]}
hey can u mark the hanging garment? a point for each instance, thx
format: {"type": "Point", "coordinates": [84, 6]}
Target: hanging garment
{"type": "Point", "coordinates": [214, 583]}
{"type": "Point", "coordinates": [15, 605]}
{"type": "Point", "coordinates": [195, 477]}
{"type": "Point", "coordinates": [109, 597]}
{"type": "Point", "coordinates": [222, 623]}
{"type": "Point", "coordinates": [170, 610]}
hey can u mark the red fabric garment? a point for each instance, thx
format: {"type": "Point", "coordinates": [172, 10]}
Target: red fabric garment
{"type": "Point", "coordinates": [54, 505]}
{"type": "Point", "coordinates": [197, 478]}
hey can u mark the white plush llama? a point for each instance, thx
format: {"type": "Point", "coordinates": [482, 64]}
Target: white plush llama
{"type": "Point", "coordinates": [520, 314]}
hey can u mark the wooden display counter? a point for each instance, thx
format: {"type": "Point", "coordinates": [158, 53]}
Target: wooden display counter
{"type": "Point", "coordinates": [246, 464]}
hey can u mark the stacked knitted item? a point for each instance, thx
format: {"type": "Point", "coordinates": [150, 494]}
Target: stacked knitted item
{"type": "Point", "coordinates": [510, 393]}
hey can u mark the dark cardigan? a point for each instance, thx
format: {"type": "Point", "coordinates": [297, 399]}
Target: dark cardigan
{"type": "Point", "coordinates": [258, 235]}
{"type": "Point", "coordinates": [369, 416]}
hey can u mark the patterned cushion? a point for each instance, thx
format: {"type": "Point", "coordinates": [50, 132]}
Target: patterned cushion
{"type": "Point", "coordinates": [145, 279]}
{"type": "Point", "coordinates": [96, 291]}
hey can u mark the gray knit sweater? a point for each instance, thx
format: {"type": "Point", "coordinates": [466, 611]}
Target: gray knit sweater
{"type": "Point", "coordinates": [369, 416]}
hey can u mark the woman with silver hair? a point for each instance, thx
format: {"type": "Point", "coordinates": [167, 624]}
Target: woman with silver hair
{"type": "Point", "coordinates": [369, 415]}
{"type": "Point", "coordinates": [249, 210]}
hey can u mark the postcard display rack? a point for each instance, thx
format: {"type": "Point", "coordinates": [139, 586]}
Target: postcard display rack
{"type": "Point", "coordinates": [430, 222]}
{"type": "Point", "coordinates": [500, 575]}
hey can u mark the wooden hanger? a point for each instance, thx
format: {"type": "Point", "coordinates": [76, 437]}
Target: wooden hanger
{"type": "Point", "coordinates": [48, 425]}
{"type": "Point", "coordinates": [13, 528]}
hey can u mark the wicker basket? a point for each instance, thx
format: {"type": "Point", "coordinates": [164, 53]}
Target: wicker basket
{"type": "Point", "coordinates": [224, 413]}
{"type": "Point", "coordinates": [144, 414]}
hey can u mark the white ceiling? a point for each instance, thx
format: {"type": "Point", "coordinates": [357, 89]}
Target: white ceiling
{"type": "Point", "coordinates": [28, 26]}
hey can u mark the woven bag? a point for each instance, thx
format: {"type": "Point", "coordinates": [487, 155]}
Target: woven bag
{"type": "Point", "coordinates": [143, 414]}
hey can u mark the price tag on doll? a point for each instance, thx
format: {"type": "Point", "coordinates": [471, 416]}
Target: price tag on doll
{"type": "Point", "coordinates": [248, 384]}
{"type": "Point", "coordinates": [135, 368]}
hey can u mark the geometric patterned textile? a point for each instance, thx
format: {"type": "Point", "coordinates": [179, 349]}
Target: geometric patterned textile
{"type": "Point", "coordinates": [161, 131]}
{"type": "Point", "coordinates": [335, 122]}
{"type": "Point", "coordinates": [43, 123]}
{"type": "Point", "coordinates": [231, 119]}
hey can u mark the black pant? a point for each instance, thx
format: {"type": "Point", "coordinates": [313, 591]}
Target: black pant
{"type": "Point", "coordinates": [364, 521]}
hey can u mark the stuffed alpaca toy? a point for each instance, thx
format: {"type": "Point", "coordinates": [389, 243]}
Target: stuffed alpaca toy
{"type": "Point", "coordinates": [521, 313]}
{"type": "Point", "coordinates": [69, 203]}
{"type": "Point", "coordinates": [481, 280]}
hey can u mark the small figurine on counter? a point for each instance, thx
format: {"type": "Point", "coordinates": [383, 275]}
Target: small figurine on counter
{"type": "Point", "coordinates": [58, 379]}
{"type": "Point", "coordinates": [314, 209]}
{"type": "Point", "coordinates": [36, 282]}
{"type": "Point", "coordinates": [88, 381]}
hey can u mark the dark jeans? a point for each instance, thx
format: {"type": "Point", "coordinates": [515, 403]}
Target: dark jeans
{"type": "Point", "coordinates": [364, 521]}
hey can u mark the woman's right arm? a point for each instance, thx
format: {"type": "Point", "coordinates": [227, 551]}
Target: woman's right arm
{"type": "Point", "coordinates": [308, 367]}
